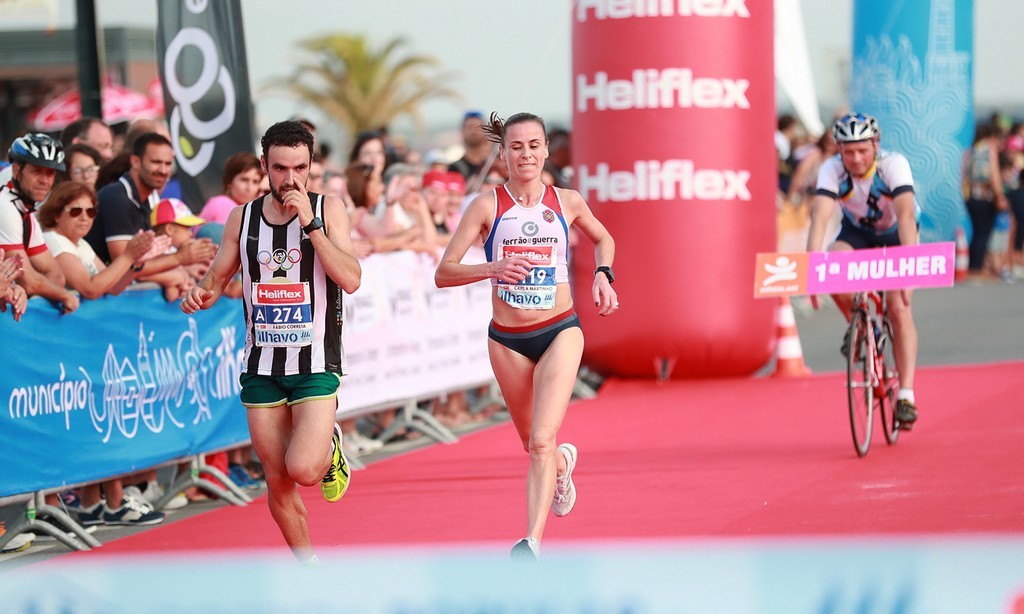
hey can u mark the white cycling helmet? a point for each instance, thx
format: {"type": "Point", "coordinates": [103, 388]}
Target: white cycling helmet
{"type": "Point", "coordinates": [854, 127]}
{"type": "Point", "coordinates": [37, 149]}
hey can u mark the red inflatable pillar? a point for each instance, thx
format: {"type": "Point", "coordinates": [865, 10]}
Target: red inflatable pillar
{"type": "Point", "coordinates": [673, 123]}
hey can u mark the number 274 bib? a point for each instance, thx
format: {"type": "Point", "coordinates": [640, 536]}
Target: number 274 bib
{"type": "Point", "coordinates": [538, 290]}
{"type": "Point", "coordinates": [281, 314]}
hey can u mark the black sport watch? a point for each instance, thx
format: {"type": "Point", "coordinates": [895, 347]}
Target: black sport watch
{"type": "Point", "coordinates": [607, 270]}
{"type": "Point", "coordinates": [314, 224]}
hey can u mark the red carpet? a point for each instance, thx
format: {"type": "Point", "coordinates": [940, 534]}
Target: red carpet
{"type": "Point", "coordinates": [722, 458]}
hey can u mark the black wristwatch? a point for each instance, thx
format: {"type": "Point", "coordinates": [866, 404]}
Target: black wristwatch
{"type": "Point", "coordinates": [315, 224]}
{"type": "Point", "coordinates": [607, 270]}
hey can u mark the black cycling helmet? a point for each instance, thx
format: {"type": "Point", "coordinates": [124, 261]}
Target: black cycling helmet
{"type": "Point", "coordinates": [38, 149]}
{"type": "Point", "coordinates": [854, 127]}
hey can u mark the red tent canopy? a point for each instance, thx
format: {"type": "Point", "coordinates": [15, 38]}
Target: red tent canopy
{"type": "Point", "coordinates": [119, 104]}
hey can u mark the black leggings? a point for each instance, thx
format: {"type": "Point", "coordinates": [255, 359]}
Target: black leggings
{"type": "Point", "coordinates": [983, 218]}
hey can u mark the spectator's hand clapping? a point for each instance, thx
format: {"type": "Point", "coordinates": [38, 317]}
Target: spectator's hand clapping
{"type": "Point", "coordinates": [197, 250]}
{"type": "Point", "coordinates": [10, 269]}
{"type": "Point", "coordinates": [363, 247]}
{"type": "Point", "coordinates": [140, 244]}
{"type": "Point", "coordinates": [17, 298]}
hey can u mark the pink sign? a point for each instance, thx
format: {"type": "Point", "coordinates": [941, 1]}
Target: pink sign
{"type": "Point", "coordinates": [888, 268]}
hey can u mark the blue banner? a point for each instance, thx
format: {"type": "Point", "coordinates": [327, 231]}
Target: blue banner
{"type": "Point", "coordinates": [912, 69]}
{"type": "Point", "coordinates": [123, 383]}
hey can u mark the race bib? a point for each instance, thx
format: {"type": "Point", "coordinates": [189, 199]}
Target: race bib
{"type": "Point", "coordinates": [538, 290]}
{"type": "Point", "coordinates": [281, 314]}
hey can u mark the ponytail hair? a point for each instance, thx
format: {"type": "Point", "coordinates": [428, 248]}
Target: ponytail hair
{"type": "Point", "coordinates": [496, 127]}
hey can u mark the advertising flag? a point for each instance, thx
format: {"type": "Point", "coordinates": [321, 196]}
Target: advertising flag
{"type": "Point", "coordinates": [205, 77]}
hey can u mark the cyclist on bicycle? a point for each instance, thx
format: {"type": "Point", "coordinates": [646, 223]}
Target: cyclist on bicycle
{"type": "Point", "coordinates": [875, 191]}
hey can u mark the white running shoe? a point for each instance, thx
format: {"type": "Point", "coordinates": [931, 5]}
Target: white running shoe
{"type": "Point", "coordinates": [526, 549]}
{"type": "Point", "coordinates": [565, 490]}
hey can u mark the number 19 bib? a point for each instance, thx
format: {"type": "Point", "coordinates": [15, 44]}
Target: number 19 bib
{"type": "Point", "coordinates": [538, 290]}
{"type": "Point", "coordinates": [281, 314]}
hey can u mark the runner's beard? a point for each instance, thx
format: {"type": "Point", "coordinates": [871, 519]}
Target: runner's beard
{"type": "Point", "coordinates": [278, 196]}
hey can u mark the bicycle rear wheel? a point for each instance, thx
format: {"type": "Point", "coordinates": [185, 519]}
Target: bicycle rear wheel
{"type": "Point", "coordinates": [890, 384]}
{"type": "Point", "coordinates": [859, 367]}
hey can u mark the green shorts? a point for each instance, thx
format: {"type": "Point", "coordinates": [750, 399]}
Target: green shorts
{"type": "Point", "coordinates": [273, 390]}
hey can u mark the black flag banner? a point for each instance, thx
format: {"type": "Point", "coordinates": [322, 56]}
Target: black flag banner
{"type": "Point", "coordinates": [205, 77]}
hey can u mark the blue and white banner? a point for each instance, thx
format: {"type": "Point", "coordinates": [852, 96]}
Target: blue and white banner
{"type": "Point", "coordinates": [123, 383]}
{"type": "Point", "coordinates": [912, 68]}
{"type": "Point", "coordinates": [129, 382]}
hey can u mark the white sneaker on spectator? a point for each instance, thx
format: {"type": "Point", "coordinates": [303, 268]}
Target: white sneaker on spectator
{"type": "Point", "coordinates": [565, 490]}
{"type": "Point", "coordinates": [133, 494]}
{"type": "Point", "coordinates": [358, 444]}
{"type": "Point", "coordinates": [154, 492]}
{"type": "Point", "coordinates": [18, 543]}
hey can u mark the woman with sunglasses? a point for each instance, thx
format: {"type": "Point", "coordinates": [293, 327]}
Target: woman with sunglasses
{"type": "Point", "coordinates": [66, 217]}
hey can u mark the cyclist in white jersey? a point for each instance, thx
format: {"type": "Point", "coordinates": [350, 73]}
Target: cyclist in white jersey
{"type": "Point", "coordinates": [535, 341]}
{"type": "Point", "coordinates": [875, 190]}
{"type": "Point", "coordinates": [296, 257]}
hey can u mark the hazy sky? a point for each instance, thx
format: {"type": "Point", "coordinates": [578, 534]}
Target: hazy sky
{"type": "Point", "coordinates": [516, 55]}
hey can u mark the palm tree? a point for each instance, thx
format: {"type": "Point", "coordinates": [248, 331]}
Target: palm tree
{"type": "Point", "coordinates": [364, 88]}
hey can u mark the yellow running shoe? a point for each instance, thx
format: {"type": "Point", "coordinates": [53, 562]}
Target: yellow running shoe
{"type": "Point", "coordinates": [335, 483]}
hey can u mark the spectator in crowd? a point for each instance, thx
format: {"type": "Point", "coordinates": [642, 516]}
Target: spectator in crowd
{"type": "Point", "coordinates": [82, 164]}
{"type": "Point", "coordinates": [535, 352]}
{"type": "Point", "coordinates": [366, 187]}
{"type": "Point", "coordinates": [407, 209]}
{"type": "Point", "coordinates": [242, 175]}
{"type": "Point", "coordinates": [785, 134]}
{"type": "Point", "coordinates": [316, 175]}
{"type": "Point", "coordinates": [435, 160]}
{"type": "Point", "coordinates": [35, 161]}
{"type": "Point", "coordinates": [11, 294]}
{"type": "Point", "coordinates": [984, 192]}
{"type": "Point", "coordinates": [456, 195]}
{"type": "Point", "coordinates": [560, 157]}
{"type": "Point", "coordinates": [336, 185]}
{"type": "Point", "coordinates": [121, 163]}
{"type": "Point", "coordinates": [66, 217]}
{"type": "Point", "coordinates": [92, 132]}
{"type": "Point", "coordinates": [368, 148]}
{"type": "Point", "coordinates": [805, 176]}
{"type": "Point", "coordinates": [477, 148]}
{"type": "Point", "coordinates": [1016, 200]}
{"type": "Point", "coordinates": [125, 208]}
{"type": "Point", "coordinates": [435, 193]}
{"type": "Point", "coordinates": [172, 218]}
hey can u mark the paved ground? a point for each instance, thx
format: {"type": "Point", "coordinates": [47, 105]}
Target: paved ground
{"type": "Point", "coordinates": [973, 322]}
{"type": "Point", "coordinates": [969, 323]}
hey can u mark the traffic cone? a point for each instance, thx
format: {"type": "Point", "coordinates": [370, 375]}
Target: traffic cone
{"type": "Point", "coordinates": [963, 257]}
{"type": "Point", "coordinates": [789, 354]}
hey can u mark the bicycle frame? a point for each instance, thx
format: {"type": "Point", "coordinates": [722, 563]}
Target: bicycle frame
{"type": "Point", "coordinates": [880, 376]}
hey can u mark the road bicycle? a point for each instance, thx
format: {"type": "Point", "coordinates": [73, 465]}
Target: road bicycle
{"type": "Point", "coordinates": [872, 379]}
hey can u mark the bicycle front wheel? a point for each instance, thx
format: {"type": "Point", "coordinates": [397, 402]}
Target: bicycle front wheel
{"type": "Point", "coordinates": [890, 383]}
{"type": "Point", "coordinates": [859, 367]}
